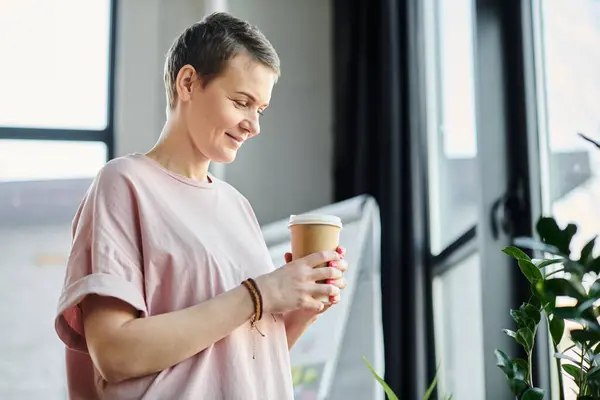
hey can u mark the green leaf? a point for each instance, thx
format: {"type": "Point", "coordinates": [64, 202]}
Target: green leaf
{"type": "Point", "coordinates": [557, 329]}
{"type": "Point", "coordinates": [552, 234]}
{"type": "Point", "coordinates": [533, 244]}
{"type": "Point", "coordinates": [587, 305]}
{"type": "Point", "coordinates": [566, 357]}
{"type": "Point", "coordinates": [594, 292]}
{"type": "Point", "coordinates": [516, 253]}
{"type": "Point", "coordinates": [431, 387]}
{"type": "Point", "coordinates": [525, 338]}
{"type": "Point", "coordinates": [574, 267]}
{"type": "Point", "coordinates": [505, 363]}
{"type": "Point", "coordinates": [533, 394]}
{"type": "Point", "coordinates": [531, 272]}
{"type": "Point", "coordinates": [532, 312]}
{"type": "Point", "coordinates": [520, 369]}
{"type": "Point", "coordinates": [388, 391]}
{"type": "Point", "coordinates": [567, 312]}
{"type": "Point", "coordinates": [561, 287]}
{"type": "Point", "coordinates": [582, 336]}
{"type": "Point", "coordinates": [586, 252]}
{"type": "Point", "coordinates": [593, 374]}
{"type": "Point", "coordinates": [518, 316]}
{"type": "Point", "coordinates": [593, 265]}
{"type": "Point", "coordinates": [526, 316]}
{"type": "Point", "coordinates": [545, 263]}
{"type": "Point", "coordinates": [573, 371]}
{"type": "Point", "coordinates": [510, 333]}
{"type": "Point", "coordinates": [517, 386]}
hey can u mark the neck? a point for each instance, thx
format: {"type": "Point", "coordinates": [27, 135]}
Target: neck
{"type": "Point", "coordinates": [176, 152]}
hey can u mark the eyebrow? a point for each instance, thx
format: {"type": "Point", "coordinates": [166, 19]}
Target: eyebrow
{"type": "Point", "coordinates": [252, 98]}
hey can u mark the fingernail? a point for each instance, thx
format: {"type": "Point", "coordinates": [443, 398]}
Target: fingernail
{"type": "Point", "coordinates": [330, 281]}
{"type": "Point", "coordinates": [341, 250]}
{"type": "Point", "coordinates": [333, 264]}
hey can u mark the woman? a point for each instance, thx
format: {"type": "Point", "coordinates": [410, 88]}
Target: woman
{"type": "Point", "coordinates": [157, 302]}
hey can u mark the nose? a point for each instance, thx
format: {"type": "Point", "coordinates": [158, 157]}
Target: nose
{"type": "Point", "coordinates": [251, 125]}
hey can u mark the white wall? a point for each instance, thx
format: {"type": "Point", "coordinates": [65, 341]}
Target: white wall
{"type": "Point", "coordinates": [288, 168]}
{"type": "Point", "coordinates": [291, 160]}
{"type": "Point", "coordinates": [145, 32]}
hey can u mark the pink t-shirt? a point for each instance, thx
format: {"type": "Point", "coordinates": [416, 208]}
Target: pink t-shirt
{"type": "Point", "coordinates": [162, 242]}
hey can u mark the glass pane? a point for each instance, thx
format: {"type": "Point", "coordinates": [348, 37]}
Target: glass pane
{"type": "Point", "coordinates": [452, 135]}
{"type": "Point", "coordinates": [54, 69]}
{"type": "Point", "coordinates": [34, 160]}
{"type": "Point", "coordinates": [459, 331]}
{"type": "Point", "coordinates": [41, 186]}
{"type": "Point", "coordinates": [568, 64]}
{"type": "Point", "coordinates": [572, 83]}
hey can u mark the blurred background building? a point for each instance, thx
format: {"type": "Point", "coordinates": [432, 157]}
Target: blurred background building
{"type": "Point", "coordinates": [459, 116]}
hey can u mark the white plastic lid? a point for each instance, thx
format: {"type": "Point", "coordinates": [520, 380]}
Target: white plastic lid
{"type": "Point", "coordinates": [308, 219]}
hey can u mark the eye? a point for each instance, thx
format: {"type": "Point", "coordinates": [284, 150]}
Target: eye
{"type": "Point", "coordinates": [261, 112]}
{"type": "Point", "coordinates": [240, 104]}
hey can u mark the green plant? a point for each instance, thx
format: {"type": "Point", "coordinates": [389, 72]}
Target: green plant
{"type": "Point", "coordinates": [564, 287]}
{"type": "Point", "coordinates": [390, 393]}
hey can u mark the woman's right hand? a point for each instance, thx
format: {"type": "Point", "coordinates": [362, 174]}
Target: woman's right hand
{"type": "Point", "coordinates": [294, 286]}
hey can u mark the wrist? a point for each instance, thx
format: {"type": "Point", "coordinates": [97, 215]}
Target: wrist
{"type": "Point", "coordinates": [301, 317]}
{"type": "Point", "coordinates": [262, 287]}
{"type": "Point", "coordinates": [246, 303]}
{"type": "Point", "coordinates": [256, 297]}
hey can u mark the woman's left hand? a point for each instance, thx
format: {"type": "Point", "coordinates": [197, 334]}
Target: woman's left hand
{"type": "Point", "coordinates": [342, 265]}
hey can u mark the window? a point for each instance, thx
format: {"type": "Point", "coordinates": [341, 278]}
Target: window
{"type": "Point", "coordinates": [569, 79]}
{"type": "Point", "coordinates": [56, 132]}
{"type": "Point", "coordinates": [55, 71]}
{"type": "Point", "coordinates": [568, 88]}
{"type": "Point", "coordinates": [56, 77]}
{"type": "Point", "coordinates": [454, 191]}
{"type": "Point", "coordinates": [459, 330]}
{"type": "Point", "coordinates": [452, 133]}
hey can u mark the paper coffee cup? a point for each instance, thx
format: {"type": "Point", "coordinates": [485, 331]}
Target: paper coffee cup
{"type": "Point", "coordinates": [312, 233]}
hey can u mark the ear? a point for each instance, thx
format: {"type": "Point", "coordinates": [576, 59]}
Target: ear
{"type": "Point", "coordinates": [184, 82]}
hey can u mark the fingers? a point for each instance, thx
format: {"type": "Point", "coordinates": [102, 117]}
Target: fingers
{"type": "Point", "coordinates": [321, 274]}
{"type": "Point", "coordinates": [322, 257]}
{"type": "Point", "coordinates": [288, 258]}
{"type": "Point", "coordinates": [342, 265]}
{"type": "Point", "coordinates": [322, 289]}
{"type": "Point", "coordinates": [339, 283]}
{"type": "Point", "coordinates": [313, 304]}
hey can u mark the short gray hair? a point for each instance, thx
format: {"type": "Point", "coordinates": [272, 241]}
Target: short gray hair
{"type": "Point", "coordinates": [210, 44]}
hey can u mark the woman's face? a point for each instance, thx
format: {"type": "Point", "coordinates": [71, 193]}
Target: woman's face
{"type": "Point", "coordinates": [222, 115]}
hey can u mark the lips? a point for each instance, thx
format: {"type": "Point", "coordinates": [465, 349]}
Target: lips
{"type": "Point", "coordinates": [236, 138]}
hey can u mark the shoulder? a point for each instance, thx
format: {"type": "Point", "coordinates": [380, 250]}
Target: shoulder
{"type": "Point", "coordinates": [121, 174]}
{"type": "Point", "coordinates": [116, 182]}
{"type": "Point", "coordinates": [238, 201]}
{"type": "Point", "coordinates": [230, 191]}
{"type": "Point", "coordinates": [112, 194]}
{"type": "Point", "coordinates": [124, 167]}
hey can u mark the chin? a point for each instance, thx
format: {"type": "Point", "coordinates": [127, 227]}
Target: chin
{"type": "Point", "coordinates": [226, 157]}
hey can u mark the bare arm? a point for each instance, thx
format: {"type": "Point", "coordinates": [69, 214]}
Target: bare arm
{"type": "Point", "coordinates": [123, 346]}
{"type": "Point", "coordinates": [295, 327]}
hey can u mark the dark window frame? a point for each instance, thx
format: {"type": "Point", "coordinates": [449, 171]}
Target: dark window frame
{"type": "Point", "coordinates": [514, 54]}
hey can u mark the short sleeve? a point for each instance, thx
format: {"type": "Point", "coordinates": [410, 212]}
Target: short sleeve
{"type": "Point", "coordinates": [106, 256]}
